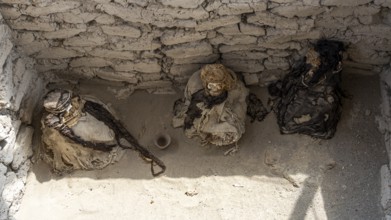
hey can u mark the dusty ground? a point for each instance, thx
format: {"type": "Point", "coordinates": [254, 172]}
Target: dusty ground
{"type": "Point", "coordinates": [273, 176]}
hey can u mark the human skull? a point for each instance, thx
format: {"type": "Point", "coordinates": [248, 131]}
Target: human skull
{"type": "Point", "coordinates": [216, 79]}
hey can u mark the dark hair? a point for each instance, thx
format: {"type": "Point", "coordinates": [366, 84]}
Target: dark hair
{"type": "Point", "coordinates": [330, 54]}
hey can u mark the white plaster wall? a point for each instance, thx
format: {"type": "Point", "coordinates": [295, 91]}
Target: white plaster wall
{"type": "Point", "coordinates": [19, 92]}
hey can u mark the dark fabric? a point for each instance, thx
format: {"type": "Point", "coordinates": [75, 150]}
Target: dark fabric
{"type": "Point", "coordinates": [255, 108]}
{"type": "Point", "coordinates": [99, 112]}
{"type": "Point", "coordinates": [312, 108]}
{"type": "Point", "coordinates": [200, 96]}
{"type": "Point", "coordinates": [102, 114]}
{"type": "Point", "coordinates": [53, 121]}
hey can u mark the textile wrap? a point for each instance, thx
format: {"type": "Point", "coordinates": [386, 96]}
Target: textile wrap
{"type": "Point", "coordinates": [222, 124]}
{"type": "Point", "coordinates": [310, 97]}
{"type": "Point", "coordinates": [65, 155]}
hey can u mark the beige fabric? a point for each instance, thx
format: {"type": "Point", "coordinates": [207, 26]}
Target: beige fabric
{"type": "Point", "coordinates": [72, 116]}
{"type": "Point", "coordinates": [90, 129]}
{"type": "Point", "coordinates": [223, 124]}
{"type": "Point", "coordinates": [64, 155]}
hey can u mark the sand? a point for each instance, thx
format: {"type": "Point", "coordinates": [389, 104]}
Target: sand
{"type": "Point", "coordinates": [272, 176]}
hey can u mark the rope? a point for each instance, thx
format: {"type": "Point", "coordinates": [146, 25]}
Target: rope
{"type": "Point", "coordinates": [102, 114]}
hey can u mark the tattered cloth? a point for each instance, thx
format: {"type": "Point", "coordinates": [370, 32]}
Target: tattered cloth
{"type": "Point", "coordinates": [218, 120]}
{"type": "Point", "coordinates": [255, 108]}
{"type": "Point", "coordinates": [86, 136]}
{"type": "Point", "coordinates": [66, 154]}
{"type": "Point", "coordinates": [309, 97]}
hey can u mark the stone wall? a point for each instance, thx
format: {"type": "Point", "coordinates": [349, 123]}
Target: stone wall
{"type": "Point", "coordinates": [19, 93]}
{"type": "Point", "coordinates": [385, 120]}
{"type": "Point", "coordinates": [158, 43]}
{"type": "Point", "coordinates": [150, 44]}
{"type": "Point", "coordinates": [385, 127]}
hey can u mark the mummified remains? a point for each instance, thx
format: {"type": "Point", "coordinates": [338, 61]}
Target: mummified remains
{"type": "Point", "coordinates": [308, 99]}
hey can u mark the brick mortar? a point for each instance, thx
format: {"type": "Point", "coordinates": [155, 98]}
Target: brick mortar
{"type": "Point", "coordinates": [75, 29]}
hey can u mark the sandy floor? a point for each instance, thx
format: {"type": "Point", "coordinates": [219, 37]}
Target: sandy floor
{"type": "Point", "coordinates": [273, 176]}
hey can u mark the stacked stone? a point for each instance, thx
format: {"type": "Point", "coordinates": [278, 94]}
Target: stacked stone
{"type": "Point", "coordinates": [150, 43]}
{"type": "Point", "coordinates": [385, 128]}
{"type": "Point", "coordinates": [19, 93]}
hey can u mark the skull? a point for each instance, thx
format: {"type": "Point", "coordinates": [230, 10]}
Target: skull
{"type": "Point", "coordinates": [216, 79]}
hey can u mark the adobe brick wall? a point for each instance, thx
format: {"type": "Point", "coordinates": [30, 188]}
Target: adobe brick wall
{"type": "Point", "coordinates": [20, 90]}
{"type": "Point", "coordinates": [153, 44]}
{"type": "Point", "coordinates": [159, 43]}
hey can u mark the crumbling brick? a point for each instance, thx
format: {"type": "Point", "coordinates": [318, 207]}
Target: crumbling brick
{"type": "Point", "coordinates": [189, 50]}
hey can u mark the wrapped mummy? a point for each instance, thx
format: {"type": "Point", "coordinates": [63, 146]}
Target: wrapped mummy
{"type": "Point", "coordinates": [309, 98]}
{"type": "Point", "coordinates": [83, 134]}
{"type": "Point", "coordinates": [214, 106]}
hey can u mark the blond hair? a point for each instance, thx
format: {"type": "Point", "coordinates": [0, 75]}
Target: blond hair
{"type": "Point", "coordinates": [217, 73]}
